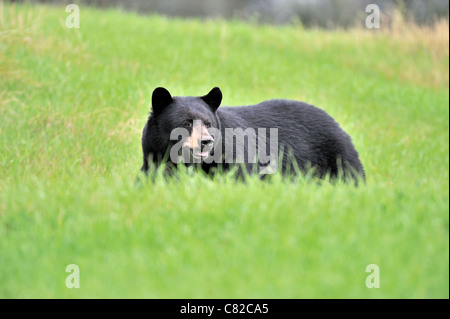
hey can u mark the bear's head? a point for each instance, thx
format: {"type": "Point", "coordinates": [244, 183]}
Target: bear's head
{"type": "Point", "coordinates": [186, 121]}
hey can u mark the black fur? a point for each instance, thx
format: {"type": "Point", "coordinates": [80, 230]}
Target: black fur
{"type": "Point", "coordinates": [309, 134]}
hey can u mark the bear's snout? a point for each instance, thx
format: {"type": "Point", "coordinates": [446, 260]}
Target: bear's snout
{"type": "Point", "coordinates": [207, 141]}
{"type": "Point", "coordinates": [199, 141]}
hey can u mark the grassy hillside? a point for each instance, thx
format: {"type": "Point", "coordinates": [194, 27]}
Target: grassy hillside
{"type": "Point", "coordinates": [73, 103]}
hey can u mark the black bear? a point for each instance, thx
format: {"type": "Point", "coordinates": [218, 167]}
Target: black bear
{"type": "Point", "coordinates": [298, 137]}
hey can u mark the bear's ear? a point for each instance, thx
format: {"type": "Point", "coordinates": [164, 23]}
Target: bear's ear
{"type": "Point", "coordinates": [160, 99]}
{"type": "Point", "coordinates": [213, 98]}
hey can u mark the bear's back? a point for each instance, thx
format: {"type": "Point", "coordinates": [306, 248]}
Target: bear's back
{"type": "Point", "coordinates": [311, 133]}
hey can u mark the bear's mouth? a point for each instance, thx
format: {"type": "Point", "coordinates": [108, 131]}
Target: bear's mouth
{"type": "Point", "coordinates": [202, 152]}
{"type": "Point", "coordinates": [199, 155]}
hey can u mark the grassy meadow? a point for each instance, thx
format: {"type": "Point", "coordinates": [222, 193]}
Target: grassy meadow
{"type": "Point", "coordinates": [73, 103]}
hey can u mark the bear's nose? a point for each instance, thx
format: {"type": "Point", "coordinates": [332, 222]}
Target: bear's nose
{"type": "Point", "coordinates": [206, 141]}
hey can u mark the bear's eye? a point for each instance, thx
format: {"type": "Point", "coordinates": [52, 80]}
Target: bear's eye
{"type": "Point", "coordinates": [188, 124]}
{"type": "Point", "coordinates": [207, 124]}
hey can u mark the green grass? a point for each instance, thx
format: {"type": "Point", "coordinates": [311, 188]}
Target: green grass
{"type": "Point", "coordinates": [73, 103]}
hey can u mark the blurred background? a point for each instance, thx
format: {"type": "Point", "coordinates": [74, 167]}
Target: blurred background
{"type": "Point", "coordinates": [310, 13]}
{"type": "Point", "coordinates": [74, 101]}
